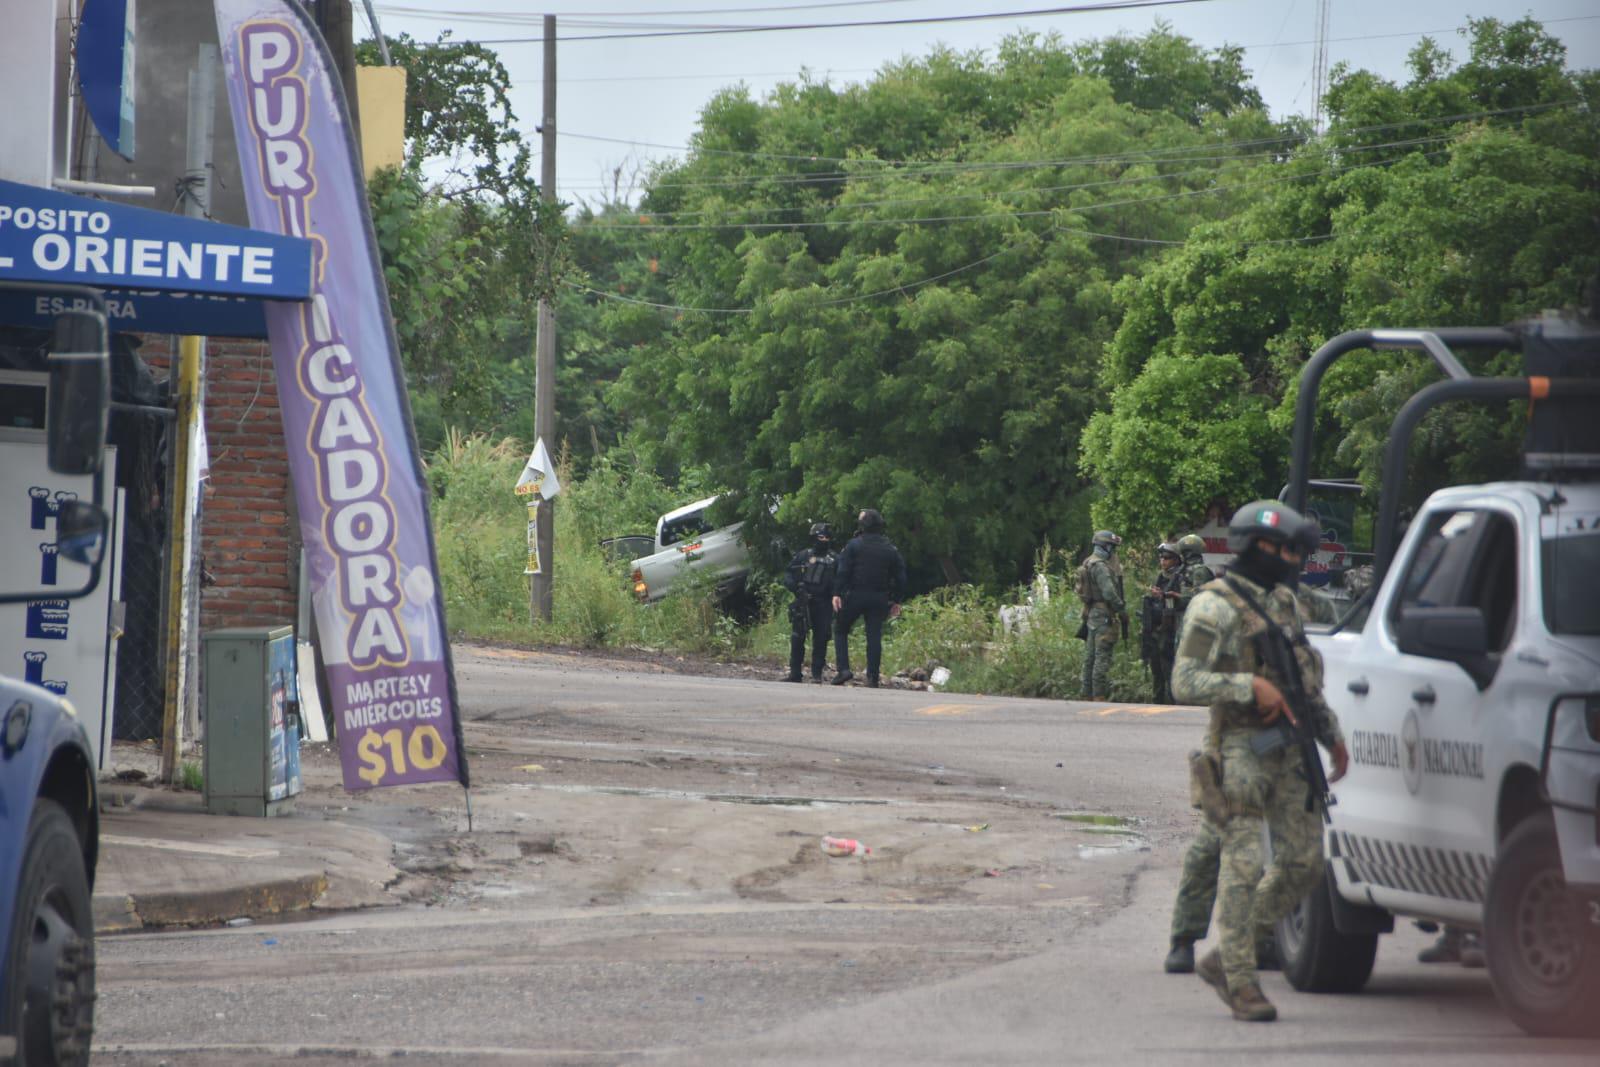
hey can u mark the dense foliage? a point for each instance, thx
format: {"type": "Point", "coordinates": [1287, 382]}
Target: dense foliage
{"type": "Point", "coordinates": [923, 338]}
{"type": "Point", "coordinates": [1486, 209]}
{"type": "Point", "coordinates": [996, 296]}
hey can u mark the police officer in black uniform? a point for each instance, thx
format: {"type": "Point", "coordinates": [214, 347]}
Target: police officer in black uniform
{"type": "Point", "coordinates": [867, 585]}
{"type": "Point", "coordinates": [809, 577]}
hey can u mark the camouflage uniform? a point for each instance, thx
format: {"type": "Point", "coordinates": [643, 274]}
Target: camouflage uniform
{"type": "Point", "coordinates": [1166, 634]}
{"type": "Point", "coordinates": [1316, 606]}
{"type": "Point", "coordinates": [1195, 576]}
{"type": "Point", "coordinates": [1101, 608]}
{"type": "Point", "coordinates": [1216, 661]}
{"type": "Point", "coordinates": [1197, 887]}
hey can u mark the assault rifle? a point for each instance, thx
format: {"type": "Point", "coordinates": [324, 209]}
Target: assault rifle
{"type": "Point", "coordinates": [1150, 612]}
{"type": "Point", "coordinates": [1277, 653]}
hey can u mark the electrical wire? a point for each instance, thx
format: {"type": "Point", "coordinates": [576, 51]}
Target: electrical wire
{"type": "Point", "coordinates": [859, 297]}
{"type": "Point", "coordinates": [1067, 161]}
{"type": "Point", "coordinates": [518, 18]}
{"type": "Point", "coordinates": [695, 77]}
{"type": "Point", "coordinates": [920, 20]}
{"type": "Point", "coordinates": [1022, 190]}
{"type": "Point", "coordinates": [869, 70]}
{"type": "Point", "coordinates": [830, 223]}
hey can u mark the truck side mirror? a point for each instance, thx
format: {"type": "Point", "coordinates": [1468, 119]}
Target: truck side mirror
{"type": "Point", "coordinates": [1459, 635]}
{"type": "Point", "coordinates": [81, 531]}
{"type": "Point", "coordinates": [79, 393]}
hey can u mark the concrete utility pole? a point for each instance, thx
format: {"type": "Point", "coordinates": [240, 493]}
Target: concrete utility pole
{"type": "Point", "coordinates": [337, 23]}
{"type": "Point", "coordinates": [181, 601]}
{"type": "Point", "coordinates": [540, 600]}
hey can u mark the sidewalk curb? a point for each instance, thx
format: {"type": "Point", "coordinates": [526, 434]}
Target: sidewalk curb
{"type": "Point", "coordinates": [123, 913]}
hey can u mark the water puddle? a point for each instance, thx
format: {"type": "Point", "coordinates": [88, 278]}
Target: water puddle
{"type": "Point", "coordinates": [763, 800]}
{"type": "Point", "coordinates": [1090, 819]}
{"type": "Point", "coordinates": [1117, 834]}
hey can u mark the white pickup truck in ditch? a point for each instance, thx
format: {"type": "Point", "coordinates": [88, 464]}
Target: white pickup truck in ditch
{"type": "Point", "coordinates": [1467, 681]}
{"type": "Point", "coordinates": [686, 542]}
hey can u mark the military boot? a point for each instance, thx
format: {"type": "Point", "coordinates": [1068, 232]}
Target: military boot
{"type": "Point", "coordinates": [1181, 959]}
{"type": "Point", "coordinates": [1267, 954]}
{"type": "Point", "coordinates": [1445, 950]}
{"type": "Point", "coordinates": [1250, 1005]}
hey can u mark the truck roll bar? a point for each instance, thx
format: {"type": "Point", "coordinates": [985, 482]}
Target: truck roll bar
{"type": "Point", "coordinates": [1426, 399]}
{"type": "Point", "coordinates": [1436, 343]}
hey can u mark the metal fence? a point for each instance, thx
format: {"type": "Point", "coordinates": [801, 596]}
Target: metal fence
{"type": "Point", "coordinates": [142, 435]}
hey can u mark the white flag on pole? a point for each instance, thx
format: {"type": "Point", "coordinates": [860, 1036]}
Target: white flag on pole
{"type": "Point", "coordinates": [539, 474]}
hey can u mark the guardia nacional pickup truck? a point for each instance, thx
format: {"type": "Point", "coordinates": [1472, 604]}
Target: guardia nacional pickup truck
{"type": "Point", "coordinates": [1467, 681]}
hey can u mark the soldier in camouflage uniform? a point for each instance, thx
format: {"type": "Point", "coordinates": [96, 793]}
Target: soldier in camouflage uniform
{"type": "Point", "coordinates": [1197, 886]}
{"type": "Point", "coordinates": [1192, 548]}
{"type": "Point", "coordinates": [1100, 589]}
{"type": "Point", "coordinates": [1219, 664]}
{"type": "Point", "coordinates": [1158, 620]}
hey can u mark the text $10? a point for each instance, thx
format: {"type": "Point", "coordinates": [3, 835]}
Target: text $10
{"type": "Point", "coordinates": [424, 751]}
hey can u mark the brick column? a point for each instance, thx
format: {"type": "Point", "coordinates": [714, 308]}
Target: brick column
{"type": "Point", "coordinates": [246, 541]}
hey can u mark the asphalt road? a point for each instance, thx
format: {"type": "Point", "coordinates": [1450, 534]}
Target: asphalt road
{"type": "Point", "coordinates": [644, 884]}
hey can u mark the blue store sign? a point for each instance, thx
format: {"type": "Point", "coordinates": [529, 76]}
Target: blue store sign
{"type": "Point", "coordinates": [146, 311]}
{"type": "Point", "coordinates": [49, 236]}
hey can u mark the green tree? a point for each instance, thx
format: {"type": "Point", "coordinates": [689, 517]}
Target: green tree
{"type": "Point", "coordinates": [1480, 208]}
{"type": "Point", "coordinates": [940, 370]}
{"type": "Point", "coordinates": [467, 245]}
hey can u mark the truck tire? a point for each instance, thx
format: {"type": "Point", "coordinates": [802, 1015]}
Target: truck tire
{"type": "Point", "coordinates": [1544, 962]}
{"type": "Point", "coordinates": [1316, 957]}
{"type": "Point", "coordinates": [49, 987]}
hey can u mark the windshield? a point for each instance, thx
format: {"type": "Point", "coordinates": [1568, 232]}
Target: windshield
{"type": "Point", "coordinates": [683, 527]}
{"type": "Point", "coordinates": [1570, 564]}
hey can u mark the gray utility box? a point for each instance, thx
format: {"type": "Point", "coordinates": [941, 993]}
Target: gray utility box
{"type": "Point", "coordinates": [252, 753]}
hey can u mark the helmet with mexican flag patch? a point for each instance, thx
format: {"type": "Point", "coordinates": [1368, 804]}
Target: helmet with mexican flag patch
{"type": "Point", "coordinates": [1264, 519]}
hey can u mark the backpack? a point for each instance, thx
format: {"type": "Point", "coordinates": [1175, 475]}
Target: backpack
{"type": "Point", "coordinates": [1082, 586]}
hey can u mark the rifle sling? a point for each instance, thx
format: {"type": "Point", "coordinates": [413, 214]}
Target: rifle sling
{"type": "Point", "coordinates": [1315, 780]}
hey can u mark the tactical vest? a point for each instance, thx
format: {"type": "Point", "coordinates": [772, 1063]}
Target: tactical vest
{"type": "Point", "coordinates": [1170, 582]}
{"type": "Point", "coordinates": [816, 577]}
{"type": "Point", "coordinates": [1244, 658]}
{"type": "Point", "coordinates": [1196, 574]}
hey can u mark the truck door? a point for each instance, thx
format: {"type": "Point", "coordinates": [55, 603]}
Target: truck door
{"type": "Point", "coordinates": [1433, 698]}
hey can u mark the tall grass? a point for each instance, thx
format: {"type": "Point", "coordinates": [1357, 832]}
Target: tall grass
{"type": "Point", "coordinates": [480, 527]}
{"type": "Point", "coordinates": [481, 530]}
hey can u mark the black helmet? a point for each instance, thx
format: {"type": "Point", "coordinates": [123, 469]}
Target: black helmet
{"type": "Point", "coordinates": [1308, 537]}
{"type": "Point", "coordinates": [1105, 537]}
{"type": "Point", "coordinates": [1267, 520]}
{"type": "Point", "coordinates": [871, 521]}
{"type": "Point", "coordinates": [821, 531]}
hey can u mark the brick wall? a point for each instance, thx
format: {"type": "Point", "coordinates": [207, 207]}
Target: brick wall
{"type": "Point", "coordinates": [246, 540]}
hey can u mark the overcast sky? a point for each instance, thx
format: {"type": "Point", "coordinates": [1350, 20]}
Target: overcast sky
{"type": "Point", "coordinates": [649, 92]}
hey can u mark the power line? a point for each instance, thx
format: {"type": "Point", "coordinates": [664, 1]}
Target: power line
{"type": "Point", "coordinates": [922, 20]}
{"type": "Point", "coordinates": [1034, 213]}
{"type": "Point", "coordinates": [983, 194]}
{"type": "Point", "coordinates": [1176, 154]}
{"type": "Point", "coordinates": [698, 77]}
{"type": "Point", "coordinates": [518, 18]}
{"type": "Point", "coordinates": [857, 298]}
{"type": "Point", "coordinates": [824, 303]}
{"type": "Point", "coordinates": [935, 165]}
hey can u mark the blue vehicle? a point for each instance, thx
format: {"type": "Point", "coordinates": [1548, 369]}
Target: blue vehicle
{"type": "Point", "coordinates": [49, 815]}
